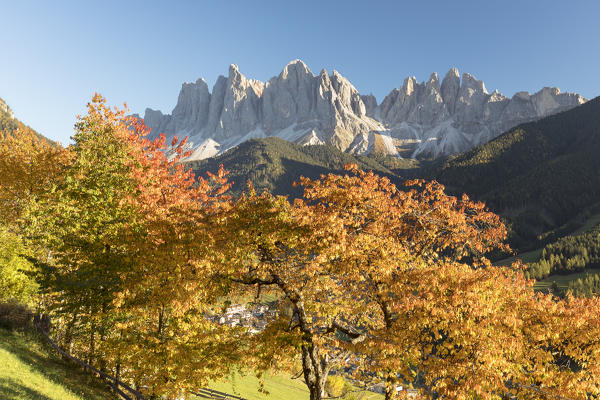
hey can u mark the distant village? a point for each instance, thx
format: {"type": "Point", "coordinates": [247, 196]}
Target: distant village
{"type": "Point", "coordinates": [255, 319]}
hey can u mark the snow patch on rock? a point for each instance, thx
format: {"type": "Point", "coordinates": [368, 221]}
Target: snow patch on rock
{"type": "Point", "coordinates": [206, 149]}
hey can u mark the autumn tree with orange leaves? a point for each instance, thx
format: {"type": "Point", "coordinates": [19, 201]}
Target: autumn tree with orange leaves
{"type": "Point", "coordinates": [335, 258]}
{"type": "Point", "coordinates": [392, 237]}
{"type": "Point", "coordinates": [29, 164]}
{"type": "Point", "coordinates": [125, 227]}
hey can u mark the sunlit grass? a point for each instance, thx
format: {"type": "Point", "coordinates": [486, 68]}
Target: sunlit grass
{"type": "Point", "coordinates": [526, 257]}
{"type": "Point", "coordinates": [30, 370]}
{"type": "Point", "coordinates": [279, 387]}
{"type": "Point", "coordinates": [562, 281]}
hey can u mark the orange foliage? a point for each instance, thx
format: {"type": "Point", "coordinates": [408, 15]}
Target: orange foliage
{"type": "Point", "coordinates": [397, 284]}
{"type": "Point", "coordinates": [28, 166]}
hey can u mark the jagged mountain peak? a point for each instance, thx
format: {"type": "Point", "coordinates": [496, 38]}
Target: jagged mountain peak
{"type": "Point", "coordinates": [297, 67]}
{"type": "Point", "coordinates": [295, 105]}
{"type": "Point", "coordinates": [433, 77]}
{"type": "Point", "coordinates": [335, 73]}
{"type": "Point", "coordinates": [470, 82]}
{"type": "Point", "coordinates": [433, 84]}
{"type": "Point", "coordinates": [429, 118]}
{"type": "Point", "coordinates": [452, 73]}
{"type": "Point", "coordinates": [234, 70]}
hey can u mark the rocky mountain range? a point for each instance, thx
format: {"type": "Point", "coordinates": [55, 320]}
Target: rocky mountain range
{"type": "Point", "coordinates": [427, 119]}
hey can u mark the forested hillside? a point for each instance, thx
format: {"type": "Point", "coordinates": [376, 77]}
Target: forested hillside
{"type": "Point", "coordinates": [568, 255]}
{"type": "Point", "coordinates": [540, 175]}
{"type": "Point", "coordinates": [274, 164]}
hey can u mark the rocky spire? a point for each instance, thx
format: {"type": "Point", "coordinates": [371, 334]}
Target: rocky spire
{"type": "Point", "coordinates": [191, 112]}
{"type": "Point", "coordinates": [217, 100]}
{"type": "Point", "coordinates": [449, 89]}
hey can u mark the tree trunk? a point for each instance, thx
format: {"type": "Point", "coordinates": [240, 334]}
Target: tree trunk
{"type": "Point", "coordinates": [102, 360]}
{"type": "Point", "coordinates": [314, 368]}
{"type": "Point", "coordinates": [390, 387]}
{"type": "Point", "coordinates": [315, 375]}
{"type": "Point", "coordinates": [309, 374]}
{"type": "Point", "coordinates": [68, 338]}
{"type": "Point", "coordinates": [161, 320]}
{"type": "Point", "coordinates": [118, 375]}
{"type": "Point", "coordinates": [92, 348]}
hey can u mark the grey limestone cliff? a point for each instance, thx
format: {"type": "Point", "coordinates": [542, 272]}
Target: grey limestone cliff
{"type": "Point", "coordinates": [428, 119]}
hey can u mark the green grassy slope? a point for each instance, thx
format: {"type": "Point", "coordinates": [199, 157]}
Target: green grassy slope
{"type": "Point", "coordinates": [30, 370]}
{"type": "Point", "coordinates": [562, 281]}
{"type": "Point", "coordinates": [278, 386]}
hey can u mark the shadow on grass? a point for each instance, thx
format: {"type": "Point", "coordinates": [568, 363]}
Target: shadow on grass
{"type": "Point", "coordinates": [31, 349]}
{"type": "Point", "coordinates": [10, 389]}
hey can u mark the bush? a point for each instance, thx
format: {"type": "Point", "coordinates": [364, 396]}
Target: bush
{"type": "Point", "coordinates": [17, 284]}
{"type": "Point", "coordinates": [335, 386]}
{"type": "Point", "coordinates": [15, 316]}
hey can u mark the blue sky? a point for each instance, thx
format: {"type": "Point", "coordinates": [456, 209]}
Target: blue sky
{"type": "Point", "coordinates": [57, 54]}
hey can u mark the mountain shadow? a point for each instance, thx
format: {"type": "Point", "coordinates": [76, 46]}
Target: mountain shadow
{"type": "Point", "coordinates": [543, 176]}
